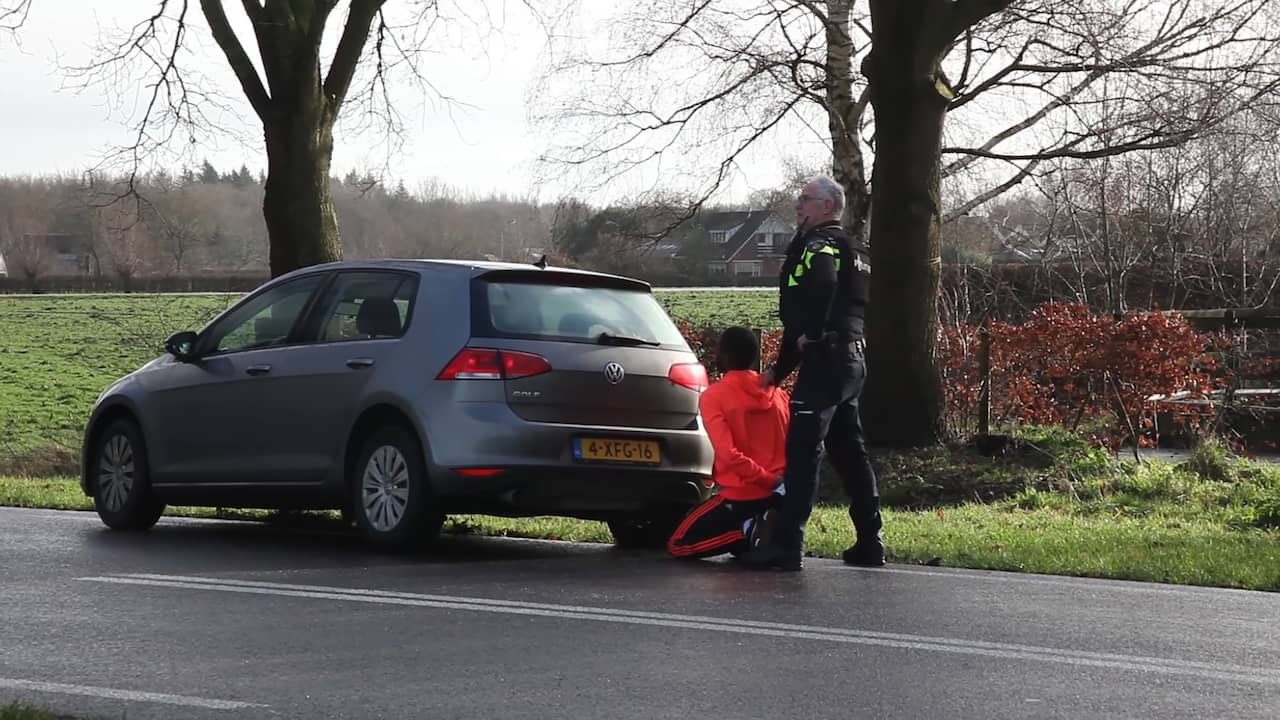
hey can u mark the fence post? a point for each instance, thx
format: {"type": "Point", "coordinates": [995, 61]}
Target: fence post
{"type": "Point", "coordinates": [984, 376]}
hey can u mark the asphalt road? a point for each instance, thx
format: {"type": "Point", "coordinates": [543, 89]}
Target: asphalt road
{"type": "Point", "coordinates": [201, 619]}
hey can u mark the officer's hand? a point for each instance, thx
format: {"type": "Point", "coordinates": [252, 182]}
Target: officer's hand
{"type": "Point", "coordinates": [802, 341]}
{"type": "Point", "coordinates": [767, 378]}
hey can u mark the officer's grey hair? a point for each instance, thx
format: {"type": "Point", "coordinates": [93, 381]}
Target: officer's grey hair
{"type": "Point", "coordinates": [831, 189]}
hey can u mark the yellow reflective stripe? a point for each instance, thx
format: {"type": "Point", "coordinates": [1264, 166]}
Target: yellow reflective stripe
{"type": "Point", "coordinates": [807, 259]}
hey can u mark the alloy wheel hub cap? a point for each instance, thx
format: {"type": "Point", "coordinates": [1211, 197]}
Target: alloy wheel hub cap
{"type": "Point", "coordinates": [384, 488]}
{"type": "Point", "coordinates": [116, 472]}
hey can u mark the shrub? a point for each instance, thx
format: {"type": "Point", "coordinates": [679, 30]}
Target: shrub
{"type": "Point", "coordinates": [1065, 365]}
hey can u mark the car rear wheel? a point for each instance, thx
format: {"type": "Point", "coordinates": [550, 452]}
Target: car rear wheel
{"type": "Point", "coordinates": [122, 484]}
{"type": "Point", "coordinates": [391, 498]}
{"type": "Point", "coordinates": [651, 530]}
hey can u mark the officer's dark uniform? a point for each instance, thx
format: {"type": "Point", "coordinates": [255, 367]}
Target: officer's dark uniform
{"type": "Point", "coordinates": [824, 284]}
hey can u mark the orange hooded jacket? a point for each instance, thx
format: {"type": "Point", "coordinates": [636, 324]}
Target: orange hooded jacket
{"type": "Point", "coordinates": [747, 425]}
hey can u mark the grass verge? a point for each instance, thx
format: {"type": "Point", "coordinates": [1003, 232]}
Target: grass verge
{"type": "Point", "coordinates": [1067, 510]}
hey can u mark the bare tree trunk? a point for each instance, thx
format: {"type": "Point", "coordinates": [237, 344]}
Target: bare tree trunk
{"type": "Point", "coordinates": [1115, 298]}
{"type": "Point", "coordinates": [844, 119]}
{"type": "Point", "coordinates": [297, 203]}
{"type": "Point", "coordinates": [910, 96]}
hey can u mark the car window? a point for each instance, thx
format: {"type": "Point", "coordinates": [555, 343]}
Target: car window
{"type": "Point", "coordinates": [575, 313]}
{"type": "Point", "coordinates": [366, 305]}
{"type": "Point", "coordinates": [265, 320]}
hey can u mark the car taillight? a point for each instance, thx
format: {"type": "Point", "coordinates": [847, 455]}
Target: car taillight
{"type": "Point", "coordinates": [488, 364]}
{"type": "Point", "coordinates": [518, 364]}
{"type": "Point", "coordinates": [690, 375]}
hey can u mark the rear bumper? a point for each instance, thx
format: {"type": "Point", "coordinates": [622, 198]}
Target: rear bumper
{"type": "Point", "coordinates": [483, 434]}
{"type": "Point", "coordinates": [586, 492]}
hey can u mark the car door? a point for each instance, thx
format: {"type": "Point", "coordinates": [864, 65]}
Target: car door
{"type": "Point", "coordinates": [353, 332]}
{"type": "Point", "coordinates": [218, 419]}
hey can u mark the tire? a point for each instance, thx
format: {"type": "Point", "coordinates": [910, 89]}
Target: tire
{"type": "Point", "coordinates": [122, 492]}
{"type": "Point", "coordinates": [391, 499]}
{"type": "Point", "coordinates": [646, 532]}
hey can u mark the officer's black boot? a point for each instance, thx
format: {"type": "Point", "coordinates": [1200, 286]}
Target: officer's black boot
{"type": "Point", "coordinates": [767, 553]}
{"type": "Point", "coordinates": [868, 551]}
{"type": "Point", "coordinates": [773, 557]}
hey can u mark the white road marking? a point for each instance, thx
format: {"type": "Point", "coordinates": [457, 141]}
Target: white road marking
{"type": "Point", "coordinates": [117, 694]}
{"type": "Point", "coordinates": [1168, 666]}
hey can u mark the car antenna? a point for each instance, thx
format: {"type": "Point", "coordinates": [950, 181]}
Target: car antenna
{"type": "Point", "coordinates": [541, 264]}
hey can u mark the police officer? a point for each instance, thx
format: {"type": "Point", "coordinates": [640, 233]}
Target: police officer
{"type": "Point", "coordinates": [824, 285]}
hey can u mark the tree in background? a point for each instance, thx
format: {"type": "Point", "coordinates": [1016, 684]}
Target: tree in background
{"type": "Point", "coordinates": [175, 218]}
{"type": "Point", "coordinates": [24, 224]}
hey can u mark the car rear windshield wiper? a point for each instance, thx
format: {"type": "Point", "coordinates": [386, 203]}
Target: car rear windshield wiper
{"type": "Point", "coordinates": [611, 339]}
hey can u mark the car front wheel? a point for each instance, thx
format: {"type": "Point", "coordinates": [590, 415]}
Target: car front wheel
{"type": "Point", "coordinates": [122, 484]}
{"type": "Point", "coordinates": [391, 498]}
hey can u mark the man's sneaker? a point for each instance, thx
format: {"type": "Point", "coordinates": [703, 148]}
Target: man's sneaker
{"type": "Point", "coordinates": [761, 531]}
{"type": "Point", "coordinates": [772, 557]}
{"type": "Point", "coordinates": [868, 554]}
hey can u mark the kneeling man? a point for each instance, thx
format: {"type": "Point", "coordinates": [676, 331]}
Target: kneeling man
{"type": "Point", "coordinates": [747, 425]}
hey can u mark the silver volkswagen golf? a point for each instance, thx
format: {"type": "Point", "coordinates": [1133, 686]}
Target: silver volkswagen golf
{"type": "Point", "coordinates": [402, 390]}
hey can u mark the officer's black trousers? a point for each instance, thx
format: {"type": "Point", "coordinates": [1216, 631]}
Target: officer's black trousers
{"type": "Point", "coordinates": [824, 412]}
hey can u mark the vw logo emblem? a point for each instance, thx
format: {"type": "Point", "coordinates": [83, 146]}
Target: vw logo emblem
{"type": "Point", "coordinates": [614, 373]}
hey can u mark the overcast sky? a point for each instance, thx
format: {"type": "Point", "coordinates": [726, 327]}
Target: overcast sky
{"type": "Point", "coordinates": [48, 125]}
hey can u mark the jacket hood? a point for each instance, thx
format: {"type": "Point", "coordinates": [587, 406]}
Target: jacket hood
{"type": "Point", "coordinates": [746, 383]}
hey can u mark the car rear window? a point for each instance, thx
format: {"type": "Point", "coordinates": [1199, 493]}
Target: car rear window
{"type": "Point", "coordinates": [541, 310]}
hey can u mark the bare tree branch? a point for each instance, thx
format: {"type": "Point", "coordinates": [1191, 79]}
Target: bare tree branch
{"type": "Point", "coordinates": [240, 63]}
{"type": "Point", "coordinates": [756, 71]}
{"type": "Point", "coordinates": [967, 13]}
{"type": "Point", "coordinates": [1169, 72]}
{"type": "Point", "coordinates": [350, 49]}
{"type": "Point", "coordinates": [13, 14]}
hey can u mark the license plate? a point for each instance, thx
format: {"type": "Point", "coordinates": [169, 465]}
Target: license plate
{"type": "Point", "coordinates": [647, 452]}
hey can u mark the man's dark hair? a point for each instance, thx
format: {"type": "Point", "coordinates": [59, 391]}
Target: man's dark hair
{"type": "Point", "coordinates": [739, 349]}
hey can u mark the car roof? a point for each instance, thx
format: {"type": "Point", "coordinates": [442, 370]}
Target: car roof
{"type": "Point", "coordinates": [472, 267]}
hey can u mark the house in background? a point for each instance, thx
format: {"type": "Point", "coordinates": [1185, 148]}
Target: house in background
{"type": "Point", "coordinates": [747, 243]}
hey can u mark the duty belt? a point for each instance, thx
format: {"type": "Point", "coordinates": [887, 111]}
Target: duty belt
{"type": "Point", "coordinates": [836, 340]}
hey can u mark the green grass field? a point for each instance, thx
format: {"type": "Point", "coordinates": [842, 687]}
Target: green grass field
{"type": "Point", "coordinates": [58, 352]}
{"type": "Point", "coordinates": [1059, 507]}
{"type": "Point", "coordinates": [721, 308]}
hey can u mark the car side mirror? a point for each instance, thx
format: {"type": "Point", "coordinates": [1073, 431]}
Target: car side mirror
{"type": "Point", "coordinates": [181, 345]}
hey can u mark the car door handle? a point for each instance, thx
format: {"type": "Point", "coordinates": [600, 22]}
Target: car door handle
{"type": "Point", "coordinates": [360, 363]}
{"type": "Point", "coordinates": [258, 369]}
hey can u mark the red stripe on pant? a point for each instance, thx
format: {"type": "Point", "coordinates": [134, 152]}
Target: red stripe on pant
{"type": "Point", "coordinates": [714, 543]}
{"type": "Point", "coordinates": [678, 546]}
